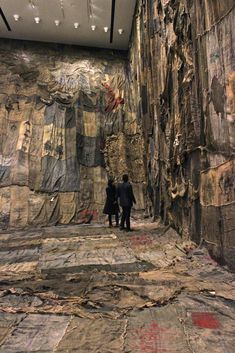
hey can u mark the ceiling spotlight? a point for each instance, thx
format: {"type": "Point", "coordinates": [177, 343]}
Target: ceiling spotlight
{"type": "Point", "coordinates": [76, 24]}
{"type": "Point", "coordinates": [16, 17]}
{"type": "Point", "coordinates": [120, 31]}
{"type": "Point", "coordinates": [57, 23]}
{"type": "Point", "coordinates": [31, 2]}
{"type": "Point", "coordinates": [93, 27]}
{"type": "Point", "coordinates": [37, 19]}
{"type": "Point", "coordinates": [106, 29]}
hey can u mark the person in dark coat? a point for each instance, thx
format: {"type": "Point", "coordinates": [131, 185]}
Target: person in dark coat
{"type": "Point", "coordinates": [111, 205]}
{"type": "Point", "coordinates": [126, 200]}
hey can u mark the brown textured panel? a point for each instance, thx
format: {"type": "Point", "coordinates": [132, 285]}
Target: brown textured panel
{"type": "Point", "coordinates": [182, 77]}
{"type": "Point", "coordinates": [57, 112]}
{"type": "Point", "coordinates": [217, 185]}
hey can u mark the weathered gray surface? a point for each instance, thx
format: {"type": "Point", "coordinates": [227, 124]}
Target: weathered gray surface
{"type": "Point", "coordinates": [66, 124]}
{"type": "Point", "coordinates": [182, 70]}
{"type": "Point", "coordinates": [65, 290]}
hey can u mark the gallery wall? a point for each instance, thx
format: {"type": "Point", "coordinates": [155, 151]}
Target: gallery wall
{"type": "Point", "coordinates": [183, 74]}
{"type": "Point", "coordinates": [66, 125]}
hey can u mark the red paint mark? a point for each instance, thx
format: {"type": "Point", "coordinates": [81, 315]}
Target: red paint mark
{"type": "Point", "coordinates": [148, 338]}
{"type": "Point", "coordinates": [208, 258]}
{"type": "Point", "coordinates": [205, 320]}
{"type": "Point", "coordinates": [112, 101]}
{"type": "Point", "coordinates": [138, 240]}
{"type": "Point", "coordinates": [152, 338]}
{"type": "Point", "coordinates": [86, 216]}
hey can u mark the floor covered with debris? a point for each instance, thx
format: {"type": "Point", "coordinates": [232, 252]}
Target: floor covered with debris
{"type": "Point", "coordinates": [91, 289]}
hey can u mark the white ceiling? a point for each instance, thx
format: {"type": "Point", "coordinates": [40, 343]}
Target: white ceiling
{"type": "Point", "coordinates": [68, 12]}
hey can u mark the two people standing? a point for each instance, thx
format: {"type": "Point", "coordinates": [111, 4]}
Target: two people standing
{"type": "Point", "coordinates": [124, 194]}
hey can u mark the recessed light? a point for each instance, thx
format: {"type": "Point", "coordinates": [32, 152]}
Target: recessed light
{"type": "Point", "coordinates": [93, 27]}
{"type": "Point", "coordinates": [106, 29]}
{"type": "Point", "coordinates": [37, 19]}
{"type": "Point", "coordinates": [120, 31]}
{"type": "Point", "coordinates": [76, 24]}
{"type": "Point", "coordinates": [16, 17]}
{"type": "Point", "coordinates": [57, 23]}
{"type": "Point", "coordinates": [32, 4]}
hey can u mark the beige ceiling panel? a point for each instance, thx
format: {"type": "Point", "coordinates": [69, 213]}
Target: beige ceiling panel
{"type": "Point", "coordinates": [68, 12]}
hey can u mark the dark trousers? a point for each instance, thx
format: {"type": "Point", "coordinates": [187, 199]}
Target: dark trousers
{"type": "Point", "coordinates": [126, 213]}
{"type": "Point", "coordinates": [116, 219]}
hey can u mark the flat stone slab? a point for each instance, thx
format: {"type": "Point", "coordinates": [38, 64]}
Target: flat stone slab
{"type": "Point", "coordinates": [83, 251]}
{"type": "Point", "coordinates": [93, 336]}
{"type": "Point", "coordinates": [36, 333]}
{"type": "Point", "coordinates": [8, 322]}
{"type": "Point", "coordinates": [22, 255]}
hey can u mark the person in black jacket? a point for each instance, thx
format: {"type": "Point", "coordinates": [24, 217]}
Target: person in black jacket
{"type": "Point", "coordinates": [126, 200]}
{"type": "Point", "coordinates": [111, 205]}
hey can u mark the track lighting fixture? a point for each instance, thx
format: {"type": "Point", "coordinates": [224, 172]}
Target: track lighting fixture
{"type": "Point", "coordinates": [32, 4]}
{"type": "Point", "coordinates": [16, 17]}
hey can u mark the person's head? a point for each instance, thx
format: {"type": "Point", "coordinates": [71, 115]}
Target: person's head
{"type": "Point", "coordinates": [125, 178]}
{"type": "Point", "coordinates": [110, 181]}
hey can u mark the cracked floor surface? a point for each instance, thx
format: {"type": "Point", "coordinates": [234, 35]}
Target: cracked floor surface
{"type": "Point", "coordinates": [91, 289]}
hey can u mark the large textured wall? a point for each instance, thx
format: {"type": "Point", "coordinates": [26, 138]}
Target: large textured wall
{"type": "Point", "coordinates": [66, 124]}
{"type": "Point", "coordinates": [182, 68]}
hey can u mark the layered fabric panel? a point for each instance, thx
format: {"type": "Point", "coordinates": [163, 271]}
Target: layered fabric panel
{"type": "Point", "coordinates": [57, 114]}
{"type": "Point", "coordinates": [182, 77]}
